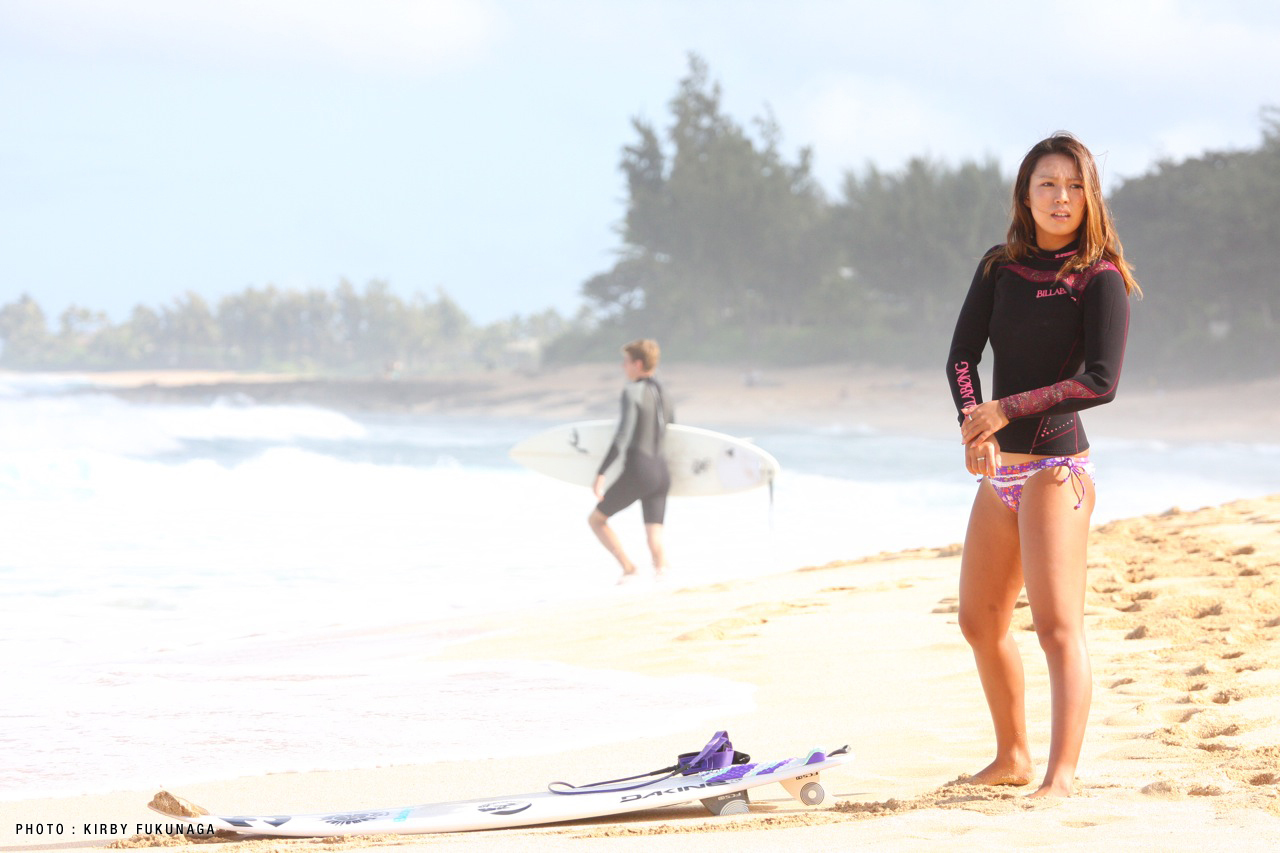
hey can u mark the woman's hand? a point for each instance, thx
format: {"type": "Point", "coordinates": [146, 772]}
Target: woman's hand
{"type": "Point", "coordinates": [982, 422]}
{"type": "Point", "coordinates": [598, 488]}
{"type": "Point", "coordinates": [982, 458]}
{"type": "Point", "coordinates": [978, 431]}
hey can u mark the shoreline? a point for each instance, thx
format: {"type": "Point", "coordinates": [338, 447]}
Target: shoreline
{"type": "Point", "coordinates": [1182, 751]}
{"type": "Point", "coordinates": [912, 402]}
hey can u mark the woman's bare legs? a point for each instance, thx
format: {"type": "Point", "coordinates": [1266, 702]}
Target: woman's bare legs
{"type": "Point", "coordinates": [1054, 537]}
{"type": "Point", "coordinates": [990, 580]}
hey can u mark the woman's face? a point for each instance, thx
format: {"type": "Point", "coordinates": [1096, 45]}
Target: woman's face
{"type": "Point", "coordinates": [1056, 199]}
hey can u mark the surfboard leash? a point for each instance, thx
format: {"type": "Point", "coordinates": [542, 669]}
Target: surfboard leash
{"type": "Point", "coordinates": [716, 755]}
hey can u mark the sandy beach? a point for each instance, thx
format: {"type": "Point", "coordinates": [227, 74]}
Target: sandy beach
{"type": "Point", "coordinates": [1183, 615]}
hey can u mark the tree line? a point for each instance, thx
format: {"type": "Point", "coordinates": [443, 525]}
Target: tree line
{"type": "Point", "coordinates": [343, 331]}
{"type": "Point", "coordinates": [731, 252]}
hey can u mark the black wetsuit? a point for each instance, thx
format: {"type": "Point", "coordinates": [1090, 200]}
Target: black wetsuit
{"type": "Point", "coordinates": [641, 429]}
{"type": "Point", "coordinates": [1057, 342]}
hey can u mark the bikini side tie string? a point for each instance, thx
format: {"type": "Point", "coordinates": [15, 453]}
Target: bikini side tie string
{"type": "Point", "coordinates": [1076, 471]}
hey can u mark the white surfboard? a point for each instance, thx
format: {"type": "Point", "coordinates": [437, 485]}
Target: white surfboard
{"type": "Point", "coordinates": [702, 462]}
{"type": "Point", "coordinates": [721, 791]}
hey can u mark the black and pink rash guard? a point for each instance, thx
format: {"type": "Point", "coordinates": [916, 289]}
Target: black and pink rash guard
{"type": "Point", "coordinates": [1057, 343]}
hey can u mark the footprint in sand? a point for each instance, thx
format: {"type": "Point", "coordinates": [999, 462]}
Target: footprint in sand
{"type": "Point", "coordinates": [1215, 730]}
{"type": "Point", "coordinates": [1139, 690]}
{"type": "Point", "coordinates": [1141, 714]}
{"type": "Point", "coordinates": [1202, 735]}
{"type": "Point", "coordinates": [1181, 715]}
{"type": "Point", "coordinates": [1163, 789]}
{"type": "Point", "coordinates": [1168, 790]}
{"type": "Point", "coordinates": [1208, 790]}
{"type": "Point", "coordinates": [1138, 602]}
{"type": "Point", "coordinates": [724, 629]}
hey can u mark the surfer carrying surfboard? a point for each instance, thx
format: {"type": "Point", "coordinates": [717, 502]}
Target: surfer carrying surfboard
{"type": "Point", "coordinates": [642, 426]}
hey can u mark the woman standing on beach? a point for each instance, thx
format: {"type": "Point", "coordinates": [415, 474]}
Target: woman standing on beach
{"type": "Point", "coordinates": [1053, 302]}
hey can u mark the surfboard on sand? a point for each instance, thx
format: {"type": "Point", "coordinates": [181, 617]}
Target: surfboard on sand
{"type": "Point", "coordinates": [721, 790]}
{"type": "Point", "coordinates": [702, 461]}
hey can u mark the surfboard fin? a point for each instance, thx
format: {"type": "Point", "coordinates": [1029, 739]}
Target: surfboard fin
{"type": "Point", "coordinates": [805, 790]}
{"type": "Point", "coordinates": [736, 803]}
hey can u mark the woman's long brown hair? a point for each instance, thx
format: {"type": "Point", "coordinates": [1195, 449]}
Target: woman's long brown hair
{"type": "Point", "coordinates": [1097, 235]}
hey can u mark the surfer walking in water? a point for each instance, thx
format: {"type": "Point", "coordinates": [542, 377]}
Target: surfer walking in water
{"type": "Point", "coordinates": [638, 441]}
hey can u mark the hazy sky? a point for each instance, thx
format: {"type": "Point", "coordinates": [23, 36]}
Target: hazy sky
{"type": "Point", "coordinates": [151, 147]}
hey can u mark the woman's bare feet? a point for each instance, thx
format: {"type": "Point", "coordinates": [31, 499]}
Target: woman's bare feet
{"type": "Point", "coordinates": [1004, 772]}
{"type": "Point", "coordinates": [1052, 790]}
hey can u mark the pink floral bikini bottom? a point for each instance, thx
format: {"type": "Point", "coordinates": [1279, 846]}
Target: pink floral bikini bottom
{"type": "Point", "coordinates": [1010, 479]}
